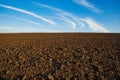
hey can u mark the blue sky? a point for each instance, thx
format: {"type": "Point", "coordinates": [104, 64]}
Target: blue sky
{"type": "Point", "coordinates": [59, 16]}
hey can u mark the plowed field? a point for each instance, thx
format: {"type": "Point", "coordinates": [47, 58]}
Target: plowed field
{"type": "Point", "coordinates": [51, 56]}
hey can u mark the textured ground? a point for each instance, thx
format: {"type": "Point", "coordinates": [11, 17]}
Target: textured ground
{"type": "Point", "coordinates": [60, 56]}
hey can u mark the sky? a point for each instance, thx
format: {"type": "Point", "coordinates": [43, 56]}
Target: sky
{"type": "Point", "coordinates": [17, 16]}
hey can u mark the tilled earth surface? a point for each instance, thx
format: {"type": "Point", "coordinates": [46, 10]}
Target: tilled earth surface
{"type": "Point", "coordinates": [70, 56]}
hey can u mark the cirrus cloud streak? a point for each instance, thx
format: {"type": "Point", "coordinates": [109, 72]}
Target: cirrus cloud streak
{"type": "Point", "coordinates": [77, 20]}
{"type": "Point", "coordinates": [29, 13]}
{"type": "Point", "coordinates": [87, 4]}
{"type": "Point", "coordinates": [25, 20]}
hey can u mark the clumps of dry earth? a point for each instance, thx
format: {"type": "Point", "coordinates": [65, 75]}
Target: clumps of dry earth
{"type": "Point", "coordinates": [60, 56]}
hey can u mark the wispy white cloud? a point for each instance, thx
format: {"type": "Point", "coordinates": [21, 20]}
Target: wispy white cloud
{"type": "Point", "coordinates": [87, 4]}
{"type": "Point", "coordinates": [29, 13]}
{"type": "Point", "coordinates": [77, 20]}
{"type": "Point", "coordinates": [73, 24]}
{"type": "Point", "coordinates": [32, 22]}
{"type": "Point", "coordinates": [29, 21]}
{"type": "Point", "coordinates": [94, 25]}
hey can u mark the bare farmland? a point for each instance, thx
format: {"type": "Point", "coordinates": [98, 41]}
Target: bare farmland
{"type": "Point", "coordinates": [74, 56]}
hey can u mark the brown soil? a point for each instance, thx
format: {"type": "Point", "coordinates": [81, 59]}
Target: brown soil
{"type": "Point", "coordinates": [60, 56]}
